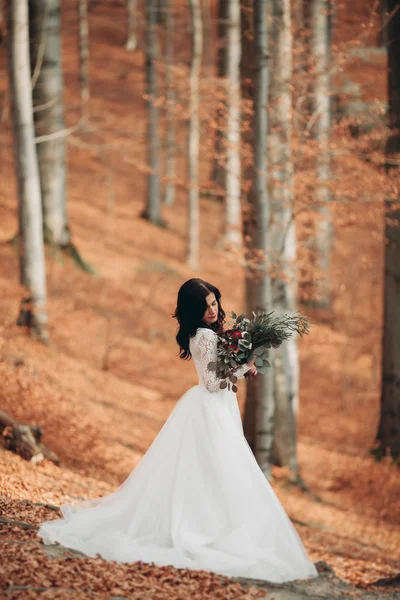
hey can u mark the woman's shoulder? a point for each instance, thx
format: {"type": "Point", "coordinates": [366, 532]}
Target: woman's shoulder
{"type": "Point", "coordinates": [203, 334]}
{"type": "Point", "coordinates": [206, 331]}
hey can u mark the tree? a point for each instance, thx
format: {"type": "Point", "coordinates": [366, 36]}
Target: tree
{"type": "Point", "coordinates": [232, 170]}
{"type": "Point", "coordinates": [152, 211]}
{"type": "Point", "coordinates": [260, 392]}
{"type": "Point", "coordinates": [301, 32]}
{"type": "Point", "coordinates": [31, 250]}
{"type": "Point", "coordinates": [194, 134]}
{"type": "Point", "coordinates": [321, 108]}
{"type": "Point", "coordinates": [131, 42]}
{"type": "Point", "coordinates": [161, 12]}
{"type": "Point", "coordinates": [388, 436]}
{"type": "Point", "coordinates": [282, 230]}
{"type": "Point", "coordinates": [47, 76]}
{"type": "Point", "coordinates": [208, 36]}
{"type": "Point", "coordinates": [218, 168]}
{"type": "Point", "coordinates": [170, 187]}
{"type": "Point", "coordinates": [84, 55]}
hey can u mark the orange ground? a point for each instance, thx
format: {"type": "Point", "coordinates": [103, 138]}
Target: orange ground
{"type": "Point", "coordinates": [101, 421]}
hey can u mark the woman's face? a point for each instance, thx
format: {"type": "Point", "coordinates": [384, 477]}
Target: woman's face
{"type": "Point", "coordinates": [211, 314]}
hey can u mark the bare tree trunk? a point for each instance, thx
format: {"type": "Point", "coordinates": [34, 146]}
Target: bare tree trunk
{"type": "Point", "coordinates": [84, 55]}
{"type": "Point", "coordinates": [388, 436]}
{"type": "Point", "coordinates": [31, 254]}
{"type": "Point", "coordinates": [131, 42]}
{"type": "Point", "coordinates": [152, 212]}
{"type": "Point", "coordinates": [259, 292]}
{"type": "Point", "coordinates": [218, 166]}
{"type": "Point", "coordinates": [170, 187]}
{"type": "Point", "coordinates": [393, 47]}
{"type": "Point", "coordinates": [223, 8]}
{"type": "Point", "coordinates": [47, 75]}
{"type": "Point", "coordinates": [383, 34]}
{"type": "Point", "coordinates": [262, 292]}
{"type": "Point", "coordinates": [161, 12]}
{"type": "Point", "coordinates": [194, 134]}
{"type": "Point", "coordinates": [299, 37]}
{"type": "Point", "coordinates": [249, 224]}
{"type": "Point", "coordinates": [252, 392]}
{"type": "Point", "coordinates": [323, 236]}
{"type": "Point", "coordinates": [208, 38]}
{"type": "Point", "coordinates": [282, 230]}
{"type": "Point", "coordinates": [233, 215]}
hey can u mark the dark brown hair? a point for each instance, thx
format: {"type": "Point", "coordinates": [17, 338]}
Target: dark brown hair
{"type": "Point", "coordinates": [190, 309]}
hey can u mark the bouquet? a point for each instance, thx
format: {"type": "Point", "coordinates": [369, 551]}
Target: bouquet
{"type": "Point", "coordinates": [248, 338]}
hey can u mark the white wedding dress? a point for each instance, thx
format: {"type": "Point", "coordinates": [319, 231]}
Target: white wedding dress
{"type": "Point", "coordinates": [197, 499]}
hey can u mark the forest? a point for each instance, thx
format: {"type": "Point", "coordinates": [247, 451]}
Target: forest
{"type": "Point", "coordinates": [255, 145]}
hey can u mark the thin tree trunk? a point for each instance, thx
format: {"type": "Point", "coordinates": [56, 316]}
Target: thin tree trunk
{"type": "Point", "coordinates": [262, 292]}
{"type": "Point", "coordinates": [31, 251]}
{"type": "Point", "coordinates": [282, 230]}
{"type": "Point", "coordinates": [152, 212]}
{"type": "Point", "coordinates": [131, 42]}
{"type": "Point", "coordinates": [46, 67]}
{"type": "Point", "coordinates": [258, 281]}
{"type": "Point", "coordinates": [393, 48]}
{"type": "Point", "coordinates": [248, 214]}
{"type": "Point", "coordinates": [323, 235]}
{"type": "Point", "coordinates": [194, 134]}
{"type": "Point", "coordinates": [208, 39]}
{"type": "Point", "coordinates": [300, 35]}
{"type": "Point", "coordinates": [84, 55]}
{"type": "Point", "coordinates": [383, 31]}
{"type": "Point", "coordinates": [250, 412]}
{"type": "Point", "coordinates": [218, 166]}
{"type": "Point", "coordinates": [232, 172]}
{"type": "Point", "coordinates": [161, 12]}
{"type": "Point", "coordinates": [170, 187]}
{"type": "Point", "coordinates": [223, 8]}
{"type": "Point", "coordinates": [388, 436]}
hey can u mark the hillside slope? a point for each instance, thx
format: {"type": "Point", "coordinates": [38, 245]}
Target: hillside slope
{"type": "Point", "coordinates": [105, 386]}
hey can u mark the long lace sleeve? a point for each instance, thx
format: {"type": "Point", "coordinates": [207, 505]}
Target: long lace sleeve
{"type": "Point", "coordinates": [206, 352]}
{"type": "Point", "coordinates": [241, 371]}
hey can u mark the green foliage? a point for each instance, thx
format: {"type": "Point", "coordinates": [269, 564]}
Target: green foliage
{"type": "Point", "coordinates": [248, 338]}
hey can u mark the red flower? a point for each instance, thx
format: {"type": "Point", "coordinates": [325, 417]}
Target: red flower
{"type": "Point", "coordinates": [233, 336]}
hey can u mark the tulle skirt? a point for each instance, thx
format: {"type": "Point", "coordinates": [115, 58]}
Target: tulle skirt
{"type": "Point", "coordinates": [197, 499]}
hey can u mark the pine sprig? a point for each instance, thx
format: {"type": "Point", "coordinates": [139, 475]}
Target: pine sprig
{"type": "Point", "coordinates": [265, 328]}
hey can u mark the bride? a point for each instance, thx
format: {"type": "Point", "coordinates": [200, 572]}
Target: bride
{"type": "Point", "coordinates": [197, 499]}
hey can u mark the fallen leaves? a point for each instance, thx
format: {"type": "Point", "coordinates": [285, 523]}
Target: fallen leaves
{"type": "Point", "coordinates": [101, 422]}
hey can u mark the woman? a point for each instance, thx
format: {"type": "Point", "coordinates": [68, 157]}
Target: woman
{"type": "Point", "coordinates": [197, 499]}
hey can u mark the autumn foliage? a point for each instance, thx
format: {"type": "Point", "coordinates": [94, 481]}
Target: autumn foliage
{"type": "Point", "coordinates": [98, 392]}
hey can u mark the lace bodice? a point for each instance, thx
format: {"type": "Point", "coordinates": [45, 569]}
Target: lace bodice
{"type": "Point", "coordinates": [203, 347]}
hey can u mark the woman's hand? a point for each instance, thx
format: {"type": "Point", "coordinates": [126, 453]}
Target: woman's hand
{"type": "Point", "coordinates": [250, 363]}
